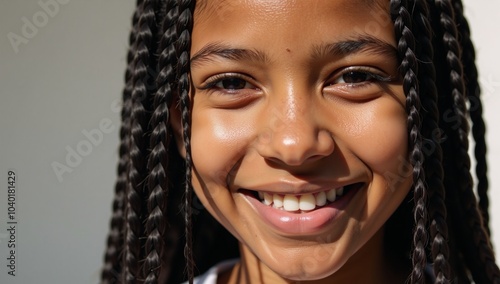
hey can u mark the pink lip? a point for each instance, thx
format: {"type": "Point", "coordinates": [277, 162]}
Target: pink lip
{"type": "Point", "coordinates": [302, 223]}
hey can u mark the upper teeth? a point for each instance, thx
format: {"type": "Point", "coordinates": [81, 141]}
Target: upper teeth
{"type": "Point", "coordinates": [306, 202]}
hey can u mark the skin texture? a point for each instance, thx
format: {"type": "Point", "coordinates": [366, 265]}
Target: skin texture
{"type": "Point", "coordinates": [283, 118]}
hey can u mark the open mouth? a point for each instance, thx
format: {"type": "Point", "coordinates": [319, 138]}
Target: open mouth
{"type": "Point", "coordinates": [304, 202]}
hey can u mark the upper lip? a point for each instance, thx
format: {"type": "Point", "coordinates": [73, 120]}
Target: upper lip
{"type": "Point", "coordinates": [297, 188]}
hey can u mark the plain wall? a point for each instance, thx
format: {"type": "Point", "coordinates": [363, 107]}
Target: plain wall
{"type": "Point", "coordinates": [63, 81]}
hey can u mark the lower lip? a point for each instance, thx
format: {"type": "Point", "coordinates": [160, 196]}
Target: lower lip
{"type": "Point", "coordinates": [302, 223]}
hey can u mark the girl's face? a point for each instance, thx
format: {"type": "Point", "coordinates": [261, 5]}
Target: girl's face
{"type": "Point", "coordinates": [293, 103]}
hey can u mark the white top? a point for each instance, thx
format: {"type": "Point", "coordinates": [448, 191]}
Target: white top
{"type": "Point", "coordinates": [210, 277]}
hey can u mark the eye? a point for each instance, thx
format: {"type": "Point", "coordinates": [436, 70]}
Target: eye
{"type": "Point", "coordinates": [359, 75]}
{"type": "Point", "coordinates": [357, 83]}
{"type": "Point", "coordinates": [228, 82]}
{"type": "Point", "coordinates": [230, 90]}
{"type": "Point", "coordinates": [233, 84]}
{"type": "Point", "coordinates": [353, 77]}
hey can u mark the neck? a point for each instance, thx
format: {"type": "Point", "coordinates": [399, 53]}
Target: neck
{"type": "Point", "coordinates": [370, 264]}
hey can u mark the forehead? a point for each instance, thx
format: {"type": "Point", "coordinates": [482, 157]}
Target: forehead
{"type": "Point", "coordinates": [289, 23]}
{"type": "Point", "coordinates": [223, 6]}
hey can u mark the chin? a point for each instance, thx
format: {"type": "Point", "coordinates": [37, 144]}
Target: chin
{"type": "Point", "coordinates": [306, 271]}
{"type": "Point", "coordinates": [317, 264]}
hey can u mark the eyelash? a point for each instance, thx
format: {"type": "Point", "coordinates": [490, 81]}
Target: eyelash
{"type": "Point", "coordinates": [212, 82]}
{"type": "Point", "coordinates": [373, 76]}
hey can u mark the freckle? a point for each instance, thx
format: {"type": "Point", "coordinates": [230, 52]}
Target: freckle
{"type": "Point", "coordinates": [288, 50]}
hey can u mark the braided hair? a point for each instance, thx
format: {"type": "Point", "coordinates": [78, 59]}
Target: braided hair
{"type": "Point", "coordinates": [440, 222]}
{"type": "Point", "coordinates": [112, 267]}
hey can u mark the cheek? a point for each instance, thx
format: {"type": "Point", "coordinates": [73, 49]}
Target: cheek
{"type": "Point", "coordinates": [217, 144]}
{"type": "Point", "coordinates": [380, 136]}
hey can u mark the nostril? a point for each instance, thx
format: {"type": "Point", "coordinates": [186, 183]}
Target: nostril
{"type": "Point", "coordinates": [273, 160]}
{"type": "Point", "coordinates": [315, 158]}
{"type": "Point", "coordinates": [296, 161]}
{"type": "Point", "coordinates": [288, 161]}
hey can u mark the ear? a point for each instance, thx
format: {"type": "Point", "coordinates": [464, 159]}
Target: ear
{"type": "Point", "coordinates": [176, 125]}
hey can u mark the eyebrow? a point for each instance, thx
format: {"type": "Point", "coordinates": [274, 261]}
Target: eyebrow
{"type": "Point", "coordinates": [365, 43]}
{"type": "Point", "coordinates": [218, 49]}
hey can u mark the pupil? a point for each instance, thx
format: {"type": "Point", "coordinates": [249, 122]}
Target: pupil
{"type": "Point", "coordinates": [233, 83]}
{"type": "Point", "coordinates": [355, 77]}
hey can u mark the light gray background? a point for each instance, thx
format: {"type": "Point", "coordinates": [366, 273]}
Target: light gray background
{"type": "Point", "coordinates": [66, 79]}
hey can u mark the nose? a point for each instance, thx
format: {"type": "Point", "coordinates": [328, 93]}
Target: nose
{"type": "Point", "coordinates": [293, 134]}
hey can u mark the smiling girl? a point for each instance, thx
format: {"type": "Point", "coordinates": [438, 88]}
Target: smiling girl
{"type": "Point", "coordinates": [325, 141]}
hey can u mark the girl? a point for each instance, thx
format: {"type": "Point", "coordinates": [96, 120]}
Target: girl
{"type": "Point", "coordinates": [326, 141]}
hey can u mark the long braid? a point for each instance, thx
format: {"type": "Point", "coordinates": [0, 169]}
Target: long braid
{"type": "Point", "coordinates": [158, 179]}
{"type": "Point", "coordinates": [478, 131]}
{"type": "Point", "coordinates": [112, 262]}
{"type": "Point", "coordinates": [456, 80]}
{"type": "Point", "coordinates": [478, 258]}
{"type": "Point", "coordinates": [448, 142]}
{"type": "Point", "coordinates": [434, 156]}
{"type": "Point", "coordinates": [456, 173]}
{"type": "Point", "coordinates": [476, 111]}
{"type": "Point", "coordinates": [137, 171]}
{"type": "Point", "coordinates": [184, 28]}
{"type": "Point", "coordinates": [408, 70]}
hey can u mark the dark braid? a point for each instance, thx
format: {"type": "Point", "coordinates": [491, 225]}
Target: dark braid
{"type": "Point", "coordinates": [453, 93]}
{"type": "Point", "coordinates": [137, 144]}
{"type": "Point", "coordinates": [158, 181]}
{"type": "Point", "coordinates": [476, 111]}
{"type": "Point", "coordinates": [112, 264]}
{"type": "Point", "coordinates": [448, 142]}
{"type": "Point", "coordinates": [434, 157]}
{"type": "Point", "coordinates": [408, 70]}
{"type": "Point", "coordinates": [183, 47]}
{"type": "Point", "coordinates": [479, 259]}
{"type": "Point", "coordinates": [456, 79]}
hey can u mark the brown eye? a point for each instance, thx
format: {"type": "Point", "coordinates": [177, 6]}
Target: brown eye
{"type": "Point", "coordinates": [233, 83]}
{"type": "Point", "coordinates": [359, 75]}
{"type": "Point", "coordinates": [353, 77]}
